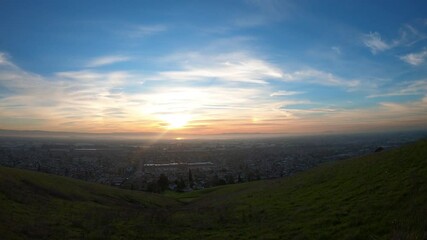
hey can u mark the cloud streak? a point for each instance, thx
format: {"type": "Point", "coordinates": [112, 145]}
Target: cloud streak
{"type": "Point", "coordinates": [374, 42]}
{"type": "Point", "coordinates": [264, 12]}
{"type": "Point", "coordinates": [100, 101]}
{"type": "Point", "coordinates": [234, 67]}
{"type": "Point", "coordinates": [243, 67]}
{"type": "Point", "coordinates": [285, 93]}
{"type": "Point", "coordinates": [107, 60]}
{"type": "Point", "coordinates": [418, 87]}
{"type": "Point", "coordinates": [105, 101]}
{"type": "Point", "coordinates": [140, 31]}
{"type": "Point", "coordinates": [320, 77]}
{"type": "Point", "coordinates": [415, 58]}
{"type": "Point", "coordinates": [408, 35]}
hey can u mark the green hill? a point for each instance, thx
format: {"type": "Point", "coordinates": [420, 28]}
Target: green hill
{"type": "Point", "coordinates": [380, 196]}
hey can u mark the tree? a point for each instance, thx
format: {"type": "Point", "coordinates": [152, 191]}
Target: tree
{"type": "Point", "coordinates": [229, 179]}
{"type": "Point", "coordinates": [379, 149]}
{"type": "Point", "coordinates": [153, 187]}
{"type": "Point", "coordinates": [190, 178]}
{"type": "Point", "coordinates": [163, 182]}
{"type": "Point", "coordinates": [181, 185]}
{"type": "Point", "coordinates": [239, 179]}
{"type": "Point", "coordinates": [221, 181]}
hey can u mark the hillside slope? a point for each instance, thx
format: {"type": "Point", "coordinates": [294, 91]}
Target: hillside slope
{"type": "Point", "coordinates": [380, 196]}
{"type": "Point", "coordinates": [43, 206]}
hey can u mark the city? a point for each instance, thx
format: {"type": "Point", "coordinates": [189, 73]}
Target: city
{"type": "Point", "coordinates": [188, 164]}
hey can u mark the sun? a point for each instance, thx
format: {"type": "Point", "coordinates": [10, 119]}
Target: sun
{"type": "Point", "coordinates": [175, 121]}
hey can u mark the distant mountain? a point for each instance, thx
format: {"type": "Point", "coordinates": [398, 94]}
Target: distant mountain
{"type": "Point", "coordinates": [127, 135]}
{"type": "Point", "coordinates": [380, 196]}
{"type": "Point", "coordinates": [52, 134]}
{"type": "Point", "coordinates": [174, 135]}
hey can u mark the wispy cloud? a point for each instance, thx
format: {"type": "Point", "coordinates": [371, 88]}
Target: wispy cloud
{"type": "Point", "coordinates": [107, 60]}
{"type": "Point", "coordinates": [336, 49]}
{"type": "Point", "coordinates": [244, 67]}
{"type": "Point", "coordinates": [408, 35]}
{"type": "Point", "coordinates": [320, 77]}
{"type": "Point", "coordinates": [285, 93]}
{"type": "Point", "coordinates": [374, 42]}
{"type": "Point", "coordinates": [233, 67]}
{"type": "Point", "coordinates": [251, 21]}
{"type": "Point", "coordinates": [51, 101]}
{"type": "Point", "coordinates": [415, 58]}
{"type": "Point", "coordinates": [410, 111]}
{"type": "Point", "coordinates": [264, 12]}
{"type": "Point", "coordinates": [404, 89]}
{"type": "Point", "coordinates": [384, 116]}
{"type": "Point", "coordinates": [4, 60]}
{"type": "Point", "coordinates": [146, 30]}
{"type": "Point", "coordinates": [92, 100]}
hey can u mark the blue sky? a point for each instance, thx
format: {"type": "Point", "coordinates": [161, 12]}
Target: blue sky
{"type": "Point", "coordinates": [213, 66]}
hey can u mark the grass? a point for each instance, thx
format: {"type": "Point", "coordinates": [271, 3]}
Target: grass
{"type": "Point", "coordinates": [380, 196]}
{"type": "Point", "coordinates": [35, 205]}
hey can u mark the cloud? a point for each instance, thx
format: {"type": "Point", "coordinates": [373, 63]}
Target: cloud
{"type": "Point", "coordinates": [90, 100]}
{"type": "Point", "coordinates": [107, 60]}
{"type": "Point", "coordinates": [151, 29]}
{"type": "Point", "coordinates": [408, 35]}
{"type": "Point", "coordinates": [251, 21]}
{"type": "Point", "coordinates": [52, 101]}
{"type": "Point", "coordinates": [404, 89]}
{"type": "Point", "coordinates": [90, 77]}
{"type": "Point", "coordinates": [321, 78]}
{"type": "Point", "coordinates": [12, 77]}
{"type": "Point", "coordinates": [336, 50]}
{"type": "Point", "coordinates": [243, 67]}
{"type": "Point", "coordinates": [384, 116]}
{"type": "Point", "coordinates": [285, 93]}
{"type": "Point", "coordinates": [264, 12]}
{"type": "Point", "coordinates": [410, 111]}
{"type": "Point", "coordinates": [374, 42]}
{"type": "Point", "coordinates": [162, 100]}
{"type": "Point", "coordinates": [415, 58]}
{"type": "Point", "coordinates": [232, 67]}
{"type": "Point", "coordinates": [103, 101]}
{"type": "Point", "coordinates": [4, 60]}
{"type": "Point", "coordinates": [146, 30]}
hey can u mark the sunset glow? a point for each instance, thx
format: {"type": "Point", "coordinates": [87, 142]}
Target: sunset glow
{"type": "Point", "coordinates": [258, 67]}
{"type": "Point", "coordinates": [176, 121]}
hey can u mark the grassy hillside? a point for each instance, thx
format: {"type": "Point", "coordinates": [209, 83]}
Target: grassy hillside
{"type": "Point", "coordinates": [37, 206]}
{"type": "Point", "coordinates": [380, 196]}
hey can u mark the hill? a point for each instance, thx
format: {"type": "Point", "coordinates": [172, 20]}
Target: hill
{"type": "Point", "coordinates": [380, 196]}
{"type": "Point", "coordinates": [42, 206]}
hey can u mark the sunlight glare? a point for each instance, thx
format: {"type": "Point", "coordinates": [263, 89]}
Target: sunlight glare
{"type": "Point", "coordinates": [175, 121]}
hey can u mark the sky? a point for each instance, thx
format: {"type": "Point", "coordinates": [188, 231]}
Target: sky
{"type": "Point", "coordinates": [212, 67]}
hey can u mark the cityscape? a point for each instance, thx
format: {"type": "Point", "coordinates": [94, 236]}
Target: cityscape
{"type": "Point", "coordinates": [188, 164]}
